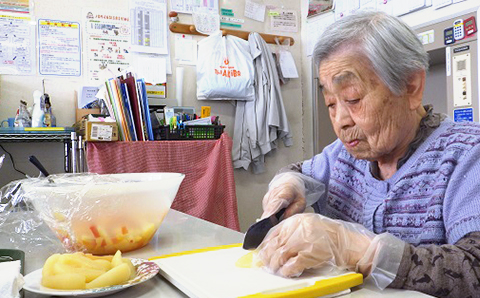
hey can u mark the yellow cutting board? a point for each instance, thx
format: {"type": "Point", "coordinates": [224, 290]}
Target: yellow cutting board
{"type": "Point", "coordinates": [211, 273]}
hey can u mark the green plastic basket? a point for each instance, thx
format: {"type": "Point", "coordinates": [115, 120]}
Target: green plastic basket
{"type": "Point", "coordinates": [190, 132]}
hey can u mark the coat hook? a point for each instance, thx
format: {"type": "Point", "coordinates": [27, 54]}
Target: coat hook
{"type": "Point", "coordinates": [173, 15]}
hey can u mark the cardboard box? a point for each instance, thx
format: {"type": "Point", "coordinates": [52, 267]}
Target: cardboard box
{"type": "Point", "coordinates": [97, 131]}
{"type": "Point", "coordinates": [79, 113]}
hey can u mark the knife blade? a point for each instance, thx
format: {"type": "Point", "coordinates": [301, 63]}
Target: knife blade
{"type": "Point", "coordinates": [257, 232]}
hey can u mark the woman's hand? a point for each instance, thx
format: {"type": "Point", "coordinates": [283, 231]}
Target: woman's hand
{"type": "Point", "coordinates": [286, 190]}
{"type": "Point", "coordinates": [308, 241]}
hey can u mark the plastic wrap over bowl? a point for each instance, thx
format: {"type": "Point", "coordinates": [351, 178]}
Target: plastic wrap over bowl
{"type": "Point", "coordinates": [101, 214]}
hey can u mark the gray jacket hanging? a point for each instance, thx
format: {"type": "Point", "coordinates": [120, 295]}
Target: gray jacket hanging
{"type": "Point", "coordinates": [260, 123]}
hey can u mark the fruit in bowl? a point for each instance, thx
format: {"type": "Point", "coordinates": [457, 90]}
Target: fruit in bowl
{"type": "Point", "coordinates": [101, 214]}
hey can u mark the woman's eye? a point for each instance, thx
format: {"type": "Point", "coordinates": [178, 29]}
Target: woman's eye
{"type": "Point", "coordinates": [353, 101]}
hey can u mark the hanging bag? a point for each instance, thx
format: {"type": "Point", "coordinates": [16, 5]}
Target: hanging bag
{"type": "Point", "coordinates": [224, 69]}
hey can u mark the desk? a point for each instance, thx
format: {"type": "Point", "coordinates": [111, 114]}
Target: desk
{"type": "Point", "coordinates": [18, 134]}
{"type": "Point", "coordinates": [208, 190]}
{"type": "Point", "coordinates": [181, 232]}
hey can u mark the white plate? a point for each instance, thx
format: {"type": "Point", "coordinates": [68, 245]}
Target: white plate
{"type": "Point", "coordinates": [145, 271]}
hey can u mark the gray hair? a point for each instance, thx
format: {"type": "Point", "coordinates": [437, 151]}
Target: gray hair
{"type": "Point", "coordinates": [391, 46]}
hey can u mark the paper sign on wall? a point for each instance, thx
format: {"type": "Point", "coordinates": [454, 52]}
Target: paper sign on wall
{"type": "Point", "coordinates": [107, 38]}
{"type": "Point", "coordinates": [86, 95]}
{"type": "Point", "coordinates": [149, 26]}
{"type": "Point", "coordinates": [287, 65]}
{"type": "Point", "coordinates": [59, 51]}
{"type": "Point", "coordinates": [185, 49]}
{"type": "Point", "coordinates": [255, 11]}
{"type": "Point", "coordinates": [186, 6]}
{"type": "Point", "coordinates": [17, 44]}
{"type": "Point", "coordinates": [284, 20]}
{"type": "Point", "coordinates": [152, 68]}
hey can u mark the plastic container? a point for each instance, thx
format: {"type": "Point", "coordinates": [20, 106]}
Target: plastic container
{"type": "Point", "coordinates": [192, 132]}
{"type": "Point", "coordinates": [101, 214]}
{"type": "Point", "coordinates": [50, 119]}
{"type": "Point", "coordinates": [38, 114]}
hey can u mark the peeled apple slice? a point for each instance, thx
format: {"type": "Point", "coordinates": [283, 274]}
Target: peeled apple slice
{"type": "Point", "coordinates": [68, 281]}
{"type": "Point", "coordinates": [117, 259]}
{"type": "Point", "coordinates": [114, 276]}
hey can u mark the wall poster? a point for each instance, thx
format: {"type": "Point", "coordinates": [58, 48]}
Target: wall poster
{"type": "Point", "coordinates": [107, 38]}
{"type": "Point", "coordinates": [149, 26]}
{"type": "Point", "coordinates": [17, 44]}
{"type": "Point", "coordinates": [316, 7]}
{"type": "Point", "coordinates": [59, 49]}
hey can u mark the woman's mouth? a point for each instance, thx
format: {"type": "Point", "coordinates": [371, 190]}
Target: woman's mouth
{"type": "Point", "coordinates": [352, 143]}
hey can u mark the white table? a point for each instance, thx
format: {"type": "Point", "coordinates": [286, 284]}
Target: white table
{"type": "Point", "coordinates": [180, 232]}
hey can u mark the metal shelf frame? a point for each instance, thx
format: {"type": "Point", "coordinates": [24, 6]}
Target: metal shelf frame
{"type": "Point", "coordinates": [18, 136]}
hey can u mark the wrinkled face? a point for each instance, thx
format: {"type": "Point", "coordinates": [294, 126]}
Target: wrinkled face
{"type": "Point", "coordinates": [370, 120]}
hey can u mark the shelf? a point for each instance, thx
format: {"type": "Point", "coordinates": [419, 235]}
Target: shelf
{"type": "Point", "coordinates": [19, 134]}
{"type": "Point", "coordinates": [32, 138]}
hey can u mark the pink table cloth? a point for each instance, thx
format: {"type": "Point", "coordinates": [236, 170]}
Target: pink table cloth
{"type": "Point", "coordinates": [208, 190]}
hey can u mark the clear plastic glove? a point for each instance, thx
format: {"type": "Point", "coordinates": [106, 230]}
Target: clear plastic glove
{"type": "Point", "coordinates": [313, 241]}
{"type": "Point", "coordinates": [293, 191]}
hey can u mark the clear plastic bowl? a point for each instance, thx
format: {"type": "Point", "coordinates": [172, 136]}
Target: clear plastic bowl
{"type": "Point", "coordinates": [101, 214]}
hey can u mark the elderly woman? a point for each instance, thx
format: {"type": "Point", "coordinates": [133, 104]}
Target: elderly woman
{"type": "Point", "coordinates": [401, 202]}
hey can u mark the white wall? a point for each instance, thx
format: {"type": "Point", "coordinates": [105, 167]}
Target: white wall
{"type": "Point", "coordinates": [325, 128]}
{"type": "Point", "coordinates": [250, 187]}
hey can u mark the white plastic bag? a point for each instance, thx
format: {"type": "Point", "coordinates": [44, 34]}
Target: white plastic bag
{"type": "Point", "coordinates": [224, 69]}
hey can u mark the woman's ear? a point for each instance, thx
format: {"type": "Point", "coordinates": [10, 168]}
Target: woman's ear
{"type": "Point", "coordinates": [415, 88]}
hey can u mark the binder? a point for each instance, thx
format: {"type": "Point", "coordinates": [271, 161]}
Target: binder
{"type": "Point", "coordinates": [127, 110]}
{"type": "Point", "coordinates": [129, 102]}
{"type": "Point", "coordinates": [112, 94]}
{"type": "Point", "coordinates": [146, 110]}
{"type": "Point", "coordinates": [135, 106]}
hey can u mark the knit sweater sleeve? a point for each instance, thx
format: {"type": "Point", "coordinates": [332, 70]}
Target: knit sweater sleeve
{"type": "Point", "coordinates": [461, 206]}
{"type": "Point", "coordinates": [442, 270]}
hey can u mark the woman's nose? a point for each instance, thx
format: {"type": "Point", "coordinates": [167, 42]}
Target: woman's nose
{"type": "Point", "coordinates": [343, 119]}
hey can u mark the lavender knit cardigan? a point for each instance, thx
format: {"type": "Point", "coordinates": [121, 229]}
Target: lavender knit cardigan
{"type": "Point", "coordinates": [433, 198]}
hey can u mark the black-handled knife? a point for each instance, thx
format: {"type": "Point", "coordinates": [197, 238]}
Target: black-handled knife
{"type": "Point", "coordinates": [257, 232]}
